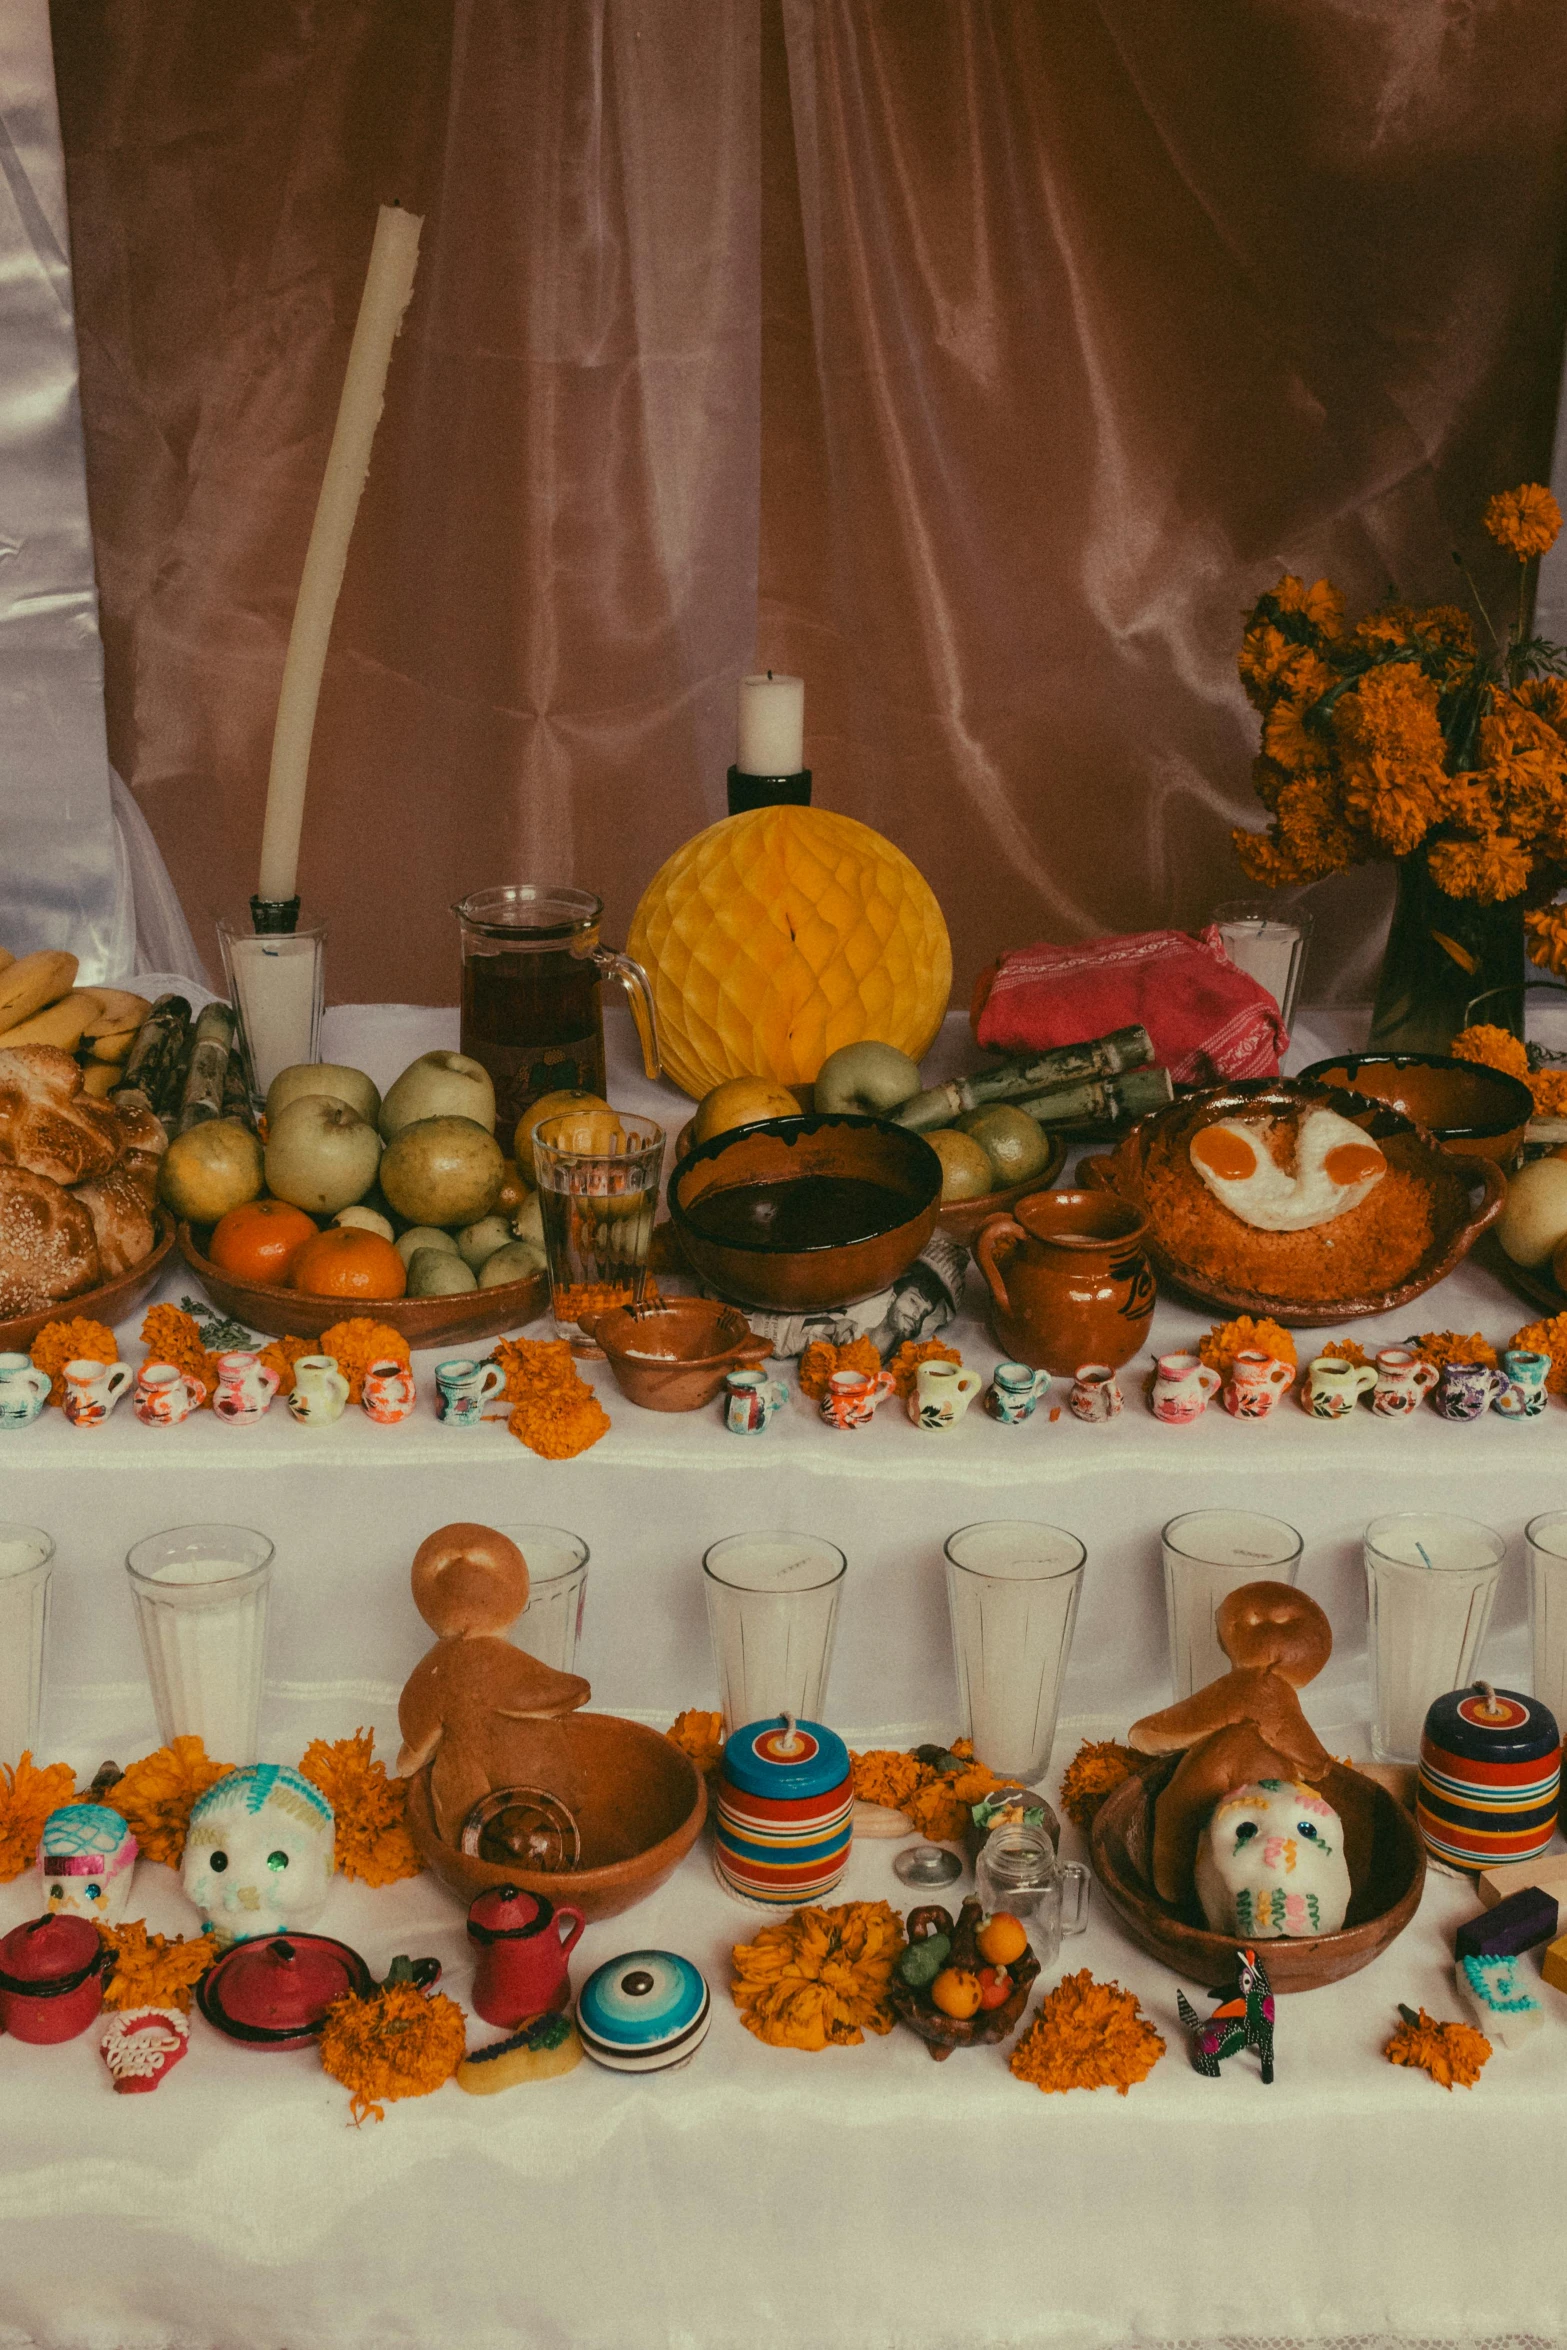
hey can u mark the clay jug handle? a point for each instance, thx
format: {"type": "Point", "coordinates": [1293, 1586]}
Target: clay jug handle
{"type": "Point", "coordinates": [568, 1942]}
{"type": "Point", "coordinates": [988, 1248]}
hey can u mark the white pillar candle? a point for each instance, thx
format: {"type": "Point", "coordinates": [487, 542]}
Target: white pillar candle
{"type": "Point", "coordinates": [772, 725]}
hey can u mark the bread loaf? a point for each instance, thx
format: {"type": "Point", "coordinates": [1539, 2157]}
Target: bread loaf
{"type": "Point", "coordinates": [48, 1126]}
{"type": "Point", "coordinates": [48, 1249]}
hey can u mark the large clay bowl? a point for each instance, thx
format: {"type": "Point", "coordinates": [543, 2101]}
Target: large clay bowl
{"type": "Point", "coordinates": [639, 1805]}
{"type": "Point", "coordinates": [824, 1274]}
{"type": "Point", "coordinates": [675, 1357]}
{"type": "Point", "coordinates": [423, 1321]}
{"type": "Point", "coordinates": [1468, 1194]}
{"type": "Point", "coordinates": [1387, 1871]}
{"type": "Point", "coordinates": [111, 1302]}
{"type": "Point", "coordinates": [1475, 1113]}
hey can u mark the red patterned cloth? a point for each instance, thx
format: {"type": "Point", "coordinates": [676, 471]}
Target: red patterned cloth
{"type": "Point", "coordinates": [1207, 1019]}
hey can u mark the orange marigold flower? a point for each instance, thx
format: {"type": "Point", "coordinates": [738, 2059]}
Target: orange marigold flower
{"type": "Point", "coordinates": [884, 1775]}
{"type": "Point", "coordinates": [1087, 2035]}
{"type": "Point", "coordinates": [154, 1970]}
{"type": "Point", "coordinates": [28, 1794]}
{"type": "Point", "coordinates": [1291, 743]}
{"type": "Point", "coordinates": [819, 1979]}
{"type": "Point", "coordinates": [1442, 1347]}
{"type": "Point", "coordinates": [397, 2041]}
{"type": "Point", "coordinates": [59, 1343]}
{"type": "Point", "coordinates": [1492, 1047]}
{"type": "Point", "coordinates": [1547, 1338]}
{"type": "Point", "coordinates": [701, 1736]}
{"type": "Point", "coordinates": [1525, 521]}
{"type": "Point", "coordinates": [1219, 1346]}
{"type": "Point", "coordinates": [370, 1809]}
{"type": "Point", "coordinates": [356, 1344]}
{"type": "Point", "coordinates": [1320, 603]}
{"type": "Point", "coordinates": [1448, 2052]}
{"type": "Point", "coordinates": [156, 1795]}
{"type": "Point", "coordinates": [1546, 697]}
{"type": "Point", "coordinates": [1489, 871]}
{"type": "Point", "coordinates": [1344, 1350]}
{"type": "Point", "coordinates": [905, 1364]}
{"type": "Point", "coordinates": [1546, 932]}
{"type": "Point", "coordinates": [1095, 1771]}
{"type": "Point", "coordinates": [170, 1335]}
{"type": "Point", "coordinates": [1549, 1088]}
{"type": "Point", "coordinates": [821, 1358]}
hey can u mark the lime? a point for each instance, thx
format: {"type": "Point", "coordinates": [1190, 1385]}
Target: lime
{"type": "Point", "coordinates": [965, 1168]}
{"type": "Point", "coordinates": [1015, 1144]}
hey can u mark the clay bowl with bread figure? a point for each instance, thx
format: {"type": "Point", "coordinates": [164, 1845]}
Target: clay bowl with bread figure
{"type": "Point", "coordinates": [1418, 1222]}
{"type": "Point", "coordinates": [638, 1803]}
{"type": "Point", "coordinates": [111, 1301]}
{"type": "Point", "coordinates": [1387, 1872]}
{"type": "Point", "coordinates": [1474, 1112]}
{"type": "Point", "coordinates": [797, 1215]}
{"type": "Point", "coordinates": [424, 1321]}
{"type": "Point", "coordinates": [674, 1357]}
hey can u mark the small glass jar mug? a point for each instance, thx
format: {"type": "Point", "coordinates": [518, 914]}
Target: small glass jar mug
{"type": "Point", "coordinates": [1017, 1871]}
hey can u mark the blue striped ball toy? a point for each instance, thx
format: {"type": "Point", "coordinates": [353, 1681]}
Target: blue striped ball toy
{"type": "Point", "coordinates": [1490, 1774]}
{"type": "Point", "coordinates": [785, 1812]}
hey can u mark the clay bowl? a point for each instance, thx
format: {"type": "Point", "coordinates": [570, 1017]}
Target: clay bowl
{"type": "Point", "coordinates": [639, 1805]}
{"type": "Point", "coordinates": [1387, 1872]}
{"type": "Point", "coordinates": [110, 1302]}
{"type": "Point", "coordinates": [423, 1321]}
{"type": "Point", "coordinates": [1474, 1113]}
{"type": "Point", "coordinates": [780, 1151]}
{"type": "Point", "coordinates": [963, 1218]}
{"type": "Point", "coordinates": [674, 1357]}
{"type": "Point", "coordinates": [942, 2033]}
{"type": "Point", "coordinates": [1468, 1195]}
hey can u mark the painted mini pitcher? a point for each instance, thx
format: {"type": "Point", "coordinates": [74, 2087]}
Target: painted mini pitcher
{"type": "Point", "coordinates": [1465, 1391]}
{"type": "Point", "coordinates": [389, 1393]}
{"type": "Point", "coordinates": [1404, 1379]}
{"type": "Point", "coordinates": [750, 1400]}
{"type": "Point", "coordinates": [1256, 1382]}
{"type": "Point", "coordinates": [319, 1393]}
{"type": "Point", "coordinates": [1334, 1387]}
{"type": "Point", "coordinates": [463, 1388]}
{"type": "Point", "coordinates": [246, 1386]}
{"type": "Point", "coordinates": [93, 1389]}
{"type": "Point", "coordinates": [1095, 1393]}
{"type": "Point", "coordinates": [1015, 1389]}
{"type": "Point", "coordinates": [521, 1943]}
{"type": "Point", "coordinates": [1521, 1393]}
{"type": "Point", "coordinates": [24, 1391]}
{"type": "Point", "coordinates": [165, 1395]}
{"type": "Point", "coordinates": [941, 1394]}
{"type": "Point", "coordinates": [852, 1396]}
{"type": "Point", "coordinates": [1183, 1387]}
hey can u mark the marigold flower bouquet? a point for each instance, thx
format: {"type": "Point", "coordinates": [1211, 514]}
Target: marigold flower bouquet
{"type": "Point", "coordinates": [1404, 737]}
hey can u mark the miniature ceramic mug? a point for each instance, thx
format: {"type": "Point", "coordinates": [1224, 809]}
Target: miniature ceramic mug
{"type": "Point", "coordinates": [463, 1388]}
{"type": "Point", "coordinates": [941, 1394]}
{"type": "Point", "coordinates": [165, 1395]}
{"type": "Point", "coordinates": [1256, 1382]}
{"type": "Point", "coordinates": [1464, 1390]}
{"type": "Point", "coordinates": [1403, 1379]}
{"type": "Point", "coordinates": [389, 1393]}
{"type": "Point", "coordinates": [24, 1391]}
{"type": "Point", "coordinates": [1095, 1395]}
{"type": "Point", "coordinates": [1183, 1387]}
{"type": "Point", "coordinates": [1334, 1387]}
{"type": "Point", "coordinates": [246, 1386]}
{"type": "Point", "coordinates": [320, 1391]}
{"type": "Point", "coordinates": [93, 1389]}
{"type": "Point", "coordinates": [1521, 1389]}
{"type": "Point", "coordinates": [750, 1400]}
{"type": "Point", "coordinates": [1015, 1388]}
{"type": "Point", "coordinates": [852, 1396]}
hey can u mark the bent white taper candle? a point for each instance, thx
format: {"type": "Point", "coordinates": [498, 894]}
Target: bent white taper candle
{"type": "Point", "coordinates": [388, 284]}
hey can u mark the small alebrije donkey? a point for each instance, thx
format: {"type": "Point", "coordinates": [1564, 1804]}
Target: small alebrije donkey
{"type": "Point", "coordinates": [1246, 2021]}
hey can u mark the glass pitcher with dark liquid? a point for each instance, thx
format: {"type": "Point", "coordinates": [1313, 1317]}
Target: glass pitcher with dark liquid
{"type": "Point", "coordinates": [532, 969]}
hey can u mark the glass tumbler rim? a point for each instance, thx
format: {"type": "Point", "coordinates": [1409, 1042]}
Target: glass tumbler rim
{"type": "Point", "coordinates": [1169, 1539]}
{"type": "Point", "coordinates": [834, 1574]}
{"type": "Point", "coordinates": [485, 911]}
{"type": "Point", "coordinates": [1042, 1573]}
{"type": "Point", "coordinates": [16, 1532]}
{"type": "Point", "coordinates": [220, 1532]}
{"type": "Point", "coordinates": [649, 1136]}
{"type": "Point", "coordinates": [1555, 1518]}
{"type": "Point", "coordinates": [1391, 1518]}
{"type": "Point", "coordinates": [514, 1530]}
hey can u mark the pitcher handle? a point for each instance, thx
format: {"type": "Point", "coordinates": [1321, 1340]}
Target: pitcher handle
{"type": "Point", "coordinates": [969, 1383]}
{"type": "Point", "coordinates": [568, 1942]}
{"type": "Point", "coordinates": [1426, 1376]}
{"type": "Point", "coordinates": [1209, 1381]}
{"type": "Point", "coordinates": [1074, 1874]}
{"type": "Point", "coordinates": [633, 979]}
{"type": "Point", "coordinates": [492, 1381]}
{"type": "Point", "coordinates": [987, 1248]}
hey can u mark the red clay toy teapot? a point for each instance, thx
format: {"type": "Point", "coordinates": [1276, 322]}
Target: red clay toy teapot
{"type": "Point", "coordinates": [522, 1944]}
{"type": "Point", "coordinates": [51, 1978]}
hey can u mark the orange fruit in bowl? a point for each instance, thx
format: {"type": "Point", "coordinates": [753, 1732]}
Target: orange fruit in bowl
{"type": "Point", "coordinates": [1001, 1939]}
{"type": "Point", "coordinates": [957, 1992]}
{"type": "Point", "coordinates": [347, 1261]}
{"type": "Point", "coordinates": [260, 1241]}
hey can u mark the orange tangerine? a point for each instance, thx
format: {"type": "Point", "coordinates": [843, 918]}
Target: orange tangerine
{"type": "Point", "coordinates": [956, 1991]}
{"type": "Point", "coordinates": [260, 1241]}
{"type": "Point", "coordinates": [1001, 1939]}
{"type": "Point", "coordinates": [349, 1262]}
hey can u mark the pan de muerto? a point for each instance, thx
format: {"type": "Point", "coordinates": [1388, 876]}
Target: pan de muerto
{"type": "Point", "coordinates": [48, 1126]}
{"type": "Point", "coordinates": [48, 1249]}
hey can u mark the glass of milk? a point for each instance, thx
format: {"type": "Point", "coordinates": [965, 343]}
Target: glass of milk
{"type": "Point", "coordinates": [1207, 1555]}
{"type": "Point", "coordinates": [201, 1610]}
{"type": "Point", "coordinates": [1269, 944]}
{"type": "Point", "coordinates": [1012, 1592]}
{"type": "Point", "coordinates": [26, 1557]}
{"type": "Point", "coordinates": [1547, 1540]}
{"type": "Point", "coordinates": [551, 1624]}
{"type": "Point", "coordinates": [772, 1611]}
{"type": "Point", "coordinates": [1430, 1583]}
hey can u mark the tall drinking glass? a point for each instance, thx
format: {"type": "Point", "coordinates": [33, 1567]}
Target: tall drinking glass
{"type": "Point", "coordinates": [1430, 1584]}
{"type": "Point", "coordinates": [772, 1610]}
{"type": "Point", "coordinates": [598, 1197]}
{"type": "Point", "coordinates": [1547, 1540]}
{"type": "Point", "coordinates": [1207, 1555]}
{"type": "Point", "coordinates": [201, 1610]}
{"type": "Point", "coordinates": [26, 1559]}
{"type": "Point", "coordinates": [551, 1624]}
{"type": "Point", "coordinates": [1012, 1591]}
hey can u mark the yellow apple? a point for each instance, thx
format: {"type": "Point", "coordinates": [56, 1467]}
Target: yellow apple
{"type": "Point", "coordinates": [741, 1101]}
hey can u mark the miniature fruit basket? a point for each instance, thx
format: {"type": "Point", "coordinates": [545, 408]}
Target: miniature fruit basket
{"type": "Point", "coordinates": [915, 2007]}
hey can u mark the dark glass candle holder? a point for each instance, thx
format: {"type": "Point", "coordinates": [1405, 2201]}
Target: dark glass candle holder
{"type": "Point", "coordinates": [768, 791]}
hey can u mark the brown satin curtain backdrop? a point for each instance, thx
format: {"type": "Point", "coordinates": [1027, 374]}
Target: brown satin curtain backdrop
{"type": "Point", "coordinates": [980, 359]}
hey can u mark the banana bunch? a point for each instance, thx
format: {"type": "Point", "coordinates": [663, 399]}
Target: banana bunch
{"type": "Point", "coordinates": [40, 1003]}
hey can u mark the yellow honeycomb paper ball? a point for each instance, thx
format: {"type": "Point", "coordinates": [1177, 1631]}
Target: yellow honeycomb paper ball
{"type": "Point", "coordinates": [775, 937]}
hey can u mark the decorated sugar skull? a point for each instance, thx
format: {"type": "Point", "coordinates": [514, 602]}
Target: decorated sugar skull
{"type": "Point", "coordinates": [259, 1854]}
{"type": "Point", "coordinates": [1270, 1863]}
{"type": "Point", "coordinates": [86, 1859]}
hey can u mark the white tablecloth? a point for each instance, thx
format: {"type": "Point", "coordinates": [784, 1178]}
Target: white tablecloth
{"type": "Point", "coordinates": [862, 2197]}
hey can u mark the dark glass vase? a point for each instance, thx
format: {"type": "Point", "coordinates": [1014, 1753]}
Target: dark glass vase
{"type": "Point", "coordinates": [1441, 953]}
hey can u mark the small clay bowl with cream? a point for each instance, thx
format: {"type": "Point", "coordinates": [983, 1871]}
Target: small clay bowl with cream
{"type": "Point", "coordinates": [675, 1357]}
{"type": "Point", "coordinates": [1474, 1112]}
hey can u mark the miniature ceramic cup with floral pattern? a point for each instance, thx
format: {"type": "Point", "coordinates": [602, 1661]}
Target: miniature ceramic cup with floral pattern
{"type": "Point", "coordinates": [1183, 1388]}
{"type": "Point", "coordinates": [93, 1389]}
{"type": "Point", "coordinates": [852, 1396]}
{"type": "Point", "coordinates": [319, 1392]}
{"type": "Point", "coordinates": [246, 1386]}
{"type": "Point", "coordinates": [1334, 1387]}
{"type": "Point", "coordinates": [389, 1393]}
{"type": "Point", "coordinates": [1256, 1382]}
{"type": "Point", "coordinates": [750, 1400]}
{"type": "Point", "coordinates": [24, 1390]}
{"type": "Point", "coordinates": [1015, 1389]}
{"type": "Point", "coordinates": [941, 1394]}
{"type": "Point", "coordinates": [165, 1395]}
{"type": "Point", "coordinates": [1464, 1390]}
{"type": "Point", "coordinates": [1521, 1388]}
{"type": "Point", "coordinates": [462, 1389]}
{"type": "Point", "coordinates": [1403, 1380]}
{"type": "Point", "coordinates": [1095, 1394]}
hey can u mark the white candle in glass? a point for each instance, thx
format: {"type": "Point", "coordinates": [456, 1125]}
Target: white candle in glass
{"type": "Point", "coordinates": [277, 983]}
{"type": "Point", "coordinates": [1430, 1582]}
{"type": "Point", "coordinates": [1012, 1591]}
{"type": "Point", "coordinates": [772, 725]}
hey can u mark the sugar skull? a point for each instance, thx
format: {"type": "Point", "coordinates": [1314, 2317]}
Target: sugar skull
{"type": "Point", "coordinates": [1498, 1995]}
{"type": "Point", "coordinates": [1270, 1863]}
{"type": "Point", "coordinates": [86, 1859]}
{"type": "Point", "coordinates": [259, 1854]}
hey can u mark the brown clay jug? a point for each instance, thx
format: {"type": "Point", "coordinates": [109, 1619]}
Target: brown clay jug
{"type": "Point", "coordinates": [1070, 1281]}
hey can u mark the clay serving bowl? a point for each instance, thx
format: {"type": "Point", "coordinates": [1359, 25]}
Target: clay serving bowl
{"type": "Point", "coordinates": [423, 1321]}
{"type": "Point", "coordinates": [110, 1302]}
{"type": "Point", "coordinates": [1475, 1113]}
{"type": "Point", "coordinates": [816, 1274]}
{"type": "Point", "coordinates": [639, 1804]}
{"type": "Point", "coordinates": [674, 1357]}
{"type": "Point", "coordinates": [1467, 1194]}
{"type": "Point", "coordinates": [1387, 1872]}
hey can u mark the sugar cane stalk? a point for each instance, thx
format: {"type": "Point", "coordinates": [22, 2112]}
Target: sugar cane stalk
{"type": "Point", "coordinates": [1011, 1081]}
{"type": "Point", "coordinates": [202, 1094]}
{"type": "Point", "coordinates": [159, 1042]}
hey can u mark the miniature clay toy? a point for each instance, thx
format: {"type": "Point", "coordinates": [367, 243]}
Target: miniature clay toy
{"type": "Point", "coordinates": [1245, 2021]}
{"type": "Point", "coordinates": [86, 1859]}
{"type": "Point", "coordinates": [1549, 1873]}
{"type": "Point", "coordinates": [523, 1943]}
{"type": "Point", "coordinates": [1490, 1777]}
{"type": "Point", "coordinates": [644, 2012]}
{"type": "Point", "coordinates": [470, 1584]}
{"type": "Point", "coordinates": [141, 2045]}
{"type": "Point", "coordinates": [1494, 1991]}
{"type": "Point", "coordinates": [1522, 1922]}
{"type": "Point", "coordinates": [1553, 1966]}
{"type": "Point", "coordinates": [1271, 1863]}
{"type": "Point", "coordinates": [543, 2048]}
{"type": "Point", "coordinates": [259, 1853]}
